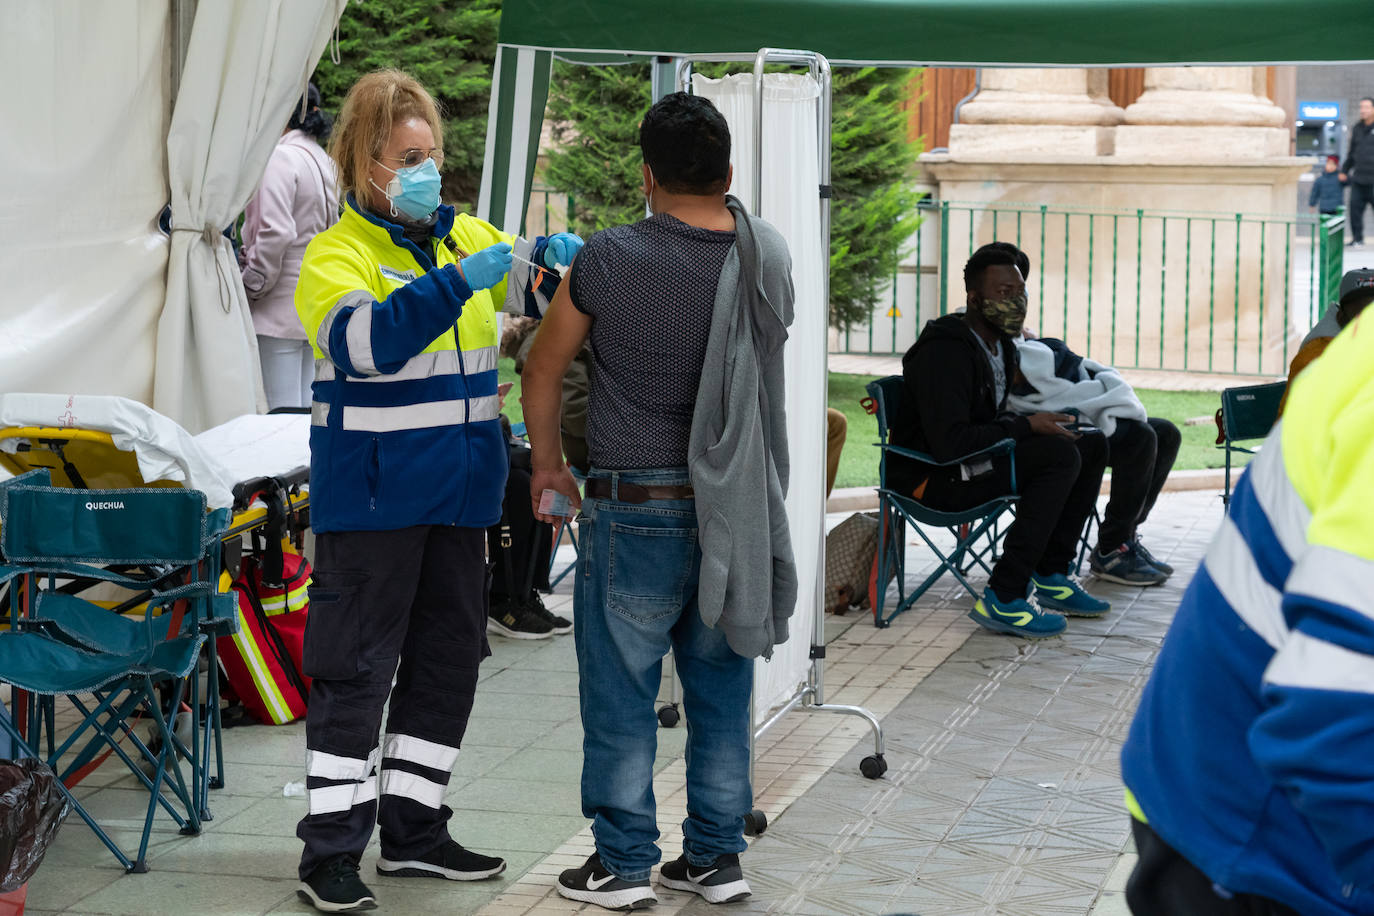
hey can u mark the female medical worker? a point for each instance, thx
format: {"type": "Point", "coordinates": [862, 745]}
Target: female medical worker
{"type": "Point", "coordinates": [408, 468]}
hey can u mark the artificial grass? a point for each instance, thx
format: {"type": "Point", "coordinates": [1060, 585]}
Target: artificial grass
{"type": "Point", "coordinates": [859, 460]}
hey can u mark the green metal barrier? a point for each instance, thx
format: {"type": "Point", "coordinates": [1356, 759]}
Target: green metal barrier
{"type": "Point", "coordinates": [1189, 291]}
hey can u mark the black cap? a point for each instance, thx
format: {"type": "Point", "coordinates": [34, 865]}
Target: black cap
{"type": "Point", "coordinates": [1357, 283]}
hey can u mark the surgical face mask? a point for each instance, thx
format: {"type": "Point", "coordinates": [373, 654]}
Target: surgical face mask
{"type": "Point", "coordinates": [414, 190]}
{"type": "Point", "coordinates": [1006, 315]}
{"type": "Point", "coordinates": [649, 198]}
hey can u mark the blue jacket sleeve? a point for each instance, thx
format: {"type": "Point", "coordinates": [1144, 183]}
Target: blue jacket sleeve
{"type": "Point", "coordinates": [377, 338]}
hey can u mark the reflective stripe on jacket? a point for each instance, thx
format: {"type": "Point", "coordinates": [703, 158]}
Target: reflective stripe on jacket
{"type": "Point", "coordinates": [404, 419]}
{"type": "Point", "coordinates": [1251, 751]}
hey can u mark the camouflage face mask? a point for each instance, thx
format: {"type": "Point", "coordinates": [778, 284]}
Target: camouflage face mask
{"type": "Point", "coordinates": [1006, 315]}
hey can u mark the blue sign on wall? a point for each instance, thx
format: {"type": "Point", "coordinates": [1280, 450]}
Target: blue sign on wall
{"type": "Point", "coordinates": [1319, 111]}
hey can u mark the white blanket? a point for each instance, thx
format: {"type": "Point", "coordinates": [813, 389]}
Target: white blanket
{"type": "Point", "coordinates": [213, 462]}
{"type": "Point", "coordinates": [1100, 394]}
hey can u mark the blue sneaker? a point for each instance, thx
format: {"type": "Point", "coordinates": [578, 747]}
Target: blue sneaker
{"type": "Point", "coordinates": [1127, 566]}
{"type": "Point", "coordinates": [1065, 595]}
{"type": "Point", "coordinates": [1017, 618]}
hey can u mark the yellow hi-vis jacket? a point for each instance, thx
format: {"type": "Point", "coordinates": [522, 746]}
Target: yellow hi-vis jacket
{"type": "Point", "coordinates": [404, 415]}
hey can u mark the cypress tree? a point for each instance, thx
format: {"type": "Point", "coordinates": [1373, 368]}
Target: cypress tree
{"type": "Point", "coordinates": [450, 47]}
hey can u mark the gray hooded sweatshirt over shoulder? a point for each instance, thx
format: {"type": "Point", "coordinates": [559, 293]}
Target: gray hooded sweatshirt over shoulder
{"type": "Point", "coordinates": [737, 453]}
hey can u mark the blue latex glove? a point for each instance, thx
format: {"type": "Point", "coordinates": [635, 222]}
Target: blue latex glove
{"type": "Point", "coordinates": [487, 267]}
{"type": "Point", "coordinates": [561, 249]}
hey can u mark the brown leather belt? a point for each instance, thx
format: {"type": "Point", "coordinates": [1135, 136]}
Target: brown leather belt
{"type": "Point", "coordinates": [626, 492]}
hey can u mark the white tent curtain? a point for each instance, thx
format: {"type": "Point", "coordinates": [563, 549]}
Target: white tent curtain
{"type": "Point", "coordinates": [791, 177]}
{"type": "Point", "coordinates": [246, 65]}
{"type": "Point", "coordinates": [83, 120]}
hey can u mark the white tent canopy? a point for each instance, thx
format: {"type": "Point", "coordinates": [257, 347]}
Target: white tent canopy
{"type": "Point", "coordinates": [102, 130]}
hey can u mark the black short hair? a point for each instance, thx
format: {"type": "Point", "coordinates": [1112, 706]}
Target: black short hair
{"type": "Point", "coordinates": [1022, 260]}
{"type": "Point", "coordinates": [985, 257]}
{"type": "Point", "coordinates": [1367, 99]}
{"type": "Point", "coordinates": [686, 144]}
{"type": "Point", "coordinates": [307, 116]}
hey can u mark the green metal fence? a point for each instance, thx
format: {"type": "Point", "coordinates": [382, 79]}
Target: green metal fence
{"type": "Point", "coordinates": [1148, 289]}
{"type": "Point", "coordinates": [548, 211]}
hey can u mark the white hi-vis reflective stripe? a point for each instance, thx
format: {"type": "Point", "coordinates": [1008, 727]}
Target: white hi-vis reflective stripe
{"type": "Point", "coordinates": [418, 750]}
{"type": "Point", "coordinates": [407, 785]}
{"type": "Point", "coordinates": [1287, 514]}
{"type": "Point", "coordinates": [421, 416]}
{"type": "Point", "coordinates": [1335, 577]}
{"type": "Point", "coordinates": [359, 337]}
{"type": "Point", "coordinates": [1315, 664]}
{"type": "Point", "coordinates": [425, 365]}
{"type": "Point", "coordinates": [361, 789]}
{"type": "Point", "coordinates": [332, 766]}
{"type": "Point", "coordinates": [1232, 567]}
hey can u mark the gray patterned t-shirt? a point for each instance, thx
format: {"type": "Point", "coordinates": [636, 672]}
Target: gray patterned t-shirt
{"type": "Point", "coordinates": [649, 288]}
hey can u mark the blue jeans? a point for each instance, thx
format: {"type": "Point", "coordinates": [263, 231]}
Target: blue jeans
{"type": "Point", "coordinates": [636, 597]}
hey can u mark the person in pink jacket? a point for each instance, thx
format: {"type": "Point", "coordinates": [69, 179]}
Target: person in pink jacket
{"type": "Point", "coordinates": [298, 198]}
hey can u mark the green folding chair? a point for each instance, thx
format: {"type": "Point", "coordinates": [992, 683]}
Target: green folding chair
{"type": "Point", "coordinates": [1247, 413]}
{"type": "Point", "coordinates": [162, 547]}
{"type": "Point", "coordinates": [969, 527]}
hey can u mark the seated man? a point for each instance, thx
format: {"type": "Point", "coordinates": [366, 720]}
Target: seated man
{"type": "Point", "coordinates": [954, 403]}
{"type": "Point", "coordinates": [1140, 449]}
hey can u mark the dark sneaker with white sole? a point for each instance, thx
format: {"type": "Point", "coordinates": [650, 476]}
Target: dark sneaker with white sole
{"type": "Point", "coordinates": [560, 624]}
{"type": "Point", "coordinates": [517, 621]}
{"type": "Point", "coordinates": [1126, 566]}
{"type": "Point", "coordinates": [720, 882]}
{"type": "Point", "coordinates": [449, 861]}
{"type": "Point", "coordinates": [334, 887]}
{"type": "Point", "coordinates": [594, 883]}
{"type": "Point", "coordinates": [1151, 558]}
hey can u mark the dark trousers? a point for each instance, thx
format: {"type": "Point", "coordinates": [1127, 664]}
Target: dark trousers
{"type": "Point", "coordinates": [1166, 884]}
{"type": "Point", "coordinates": [1140, 456]}
{"type": "Point", "coordinates": [1361, 195]}
{"type": "Point", "coordinates": [1058, 480]}
{"type": "Point", "coordinates": [522, 567]}
{"type": "Point", "coordinates": [409, 604]}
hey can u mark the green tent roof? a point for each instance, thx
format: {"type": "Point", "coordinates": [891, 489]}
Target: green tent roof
{"type": "Point", "coordinates": [957, 32]}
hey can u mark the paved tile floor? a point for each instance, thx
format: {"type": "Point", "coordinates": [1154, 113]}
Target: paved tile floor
{"type": "Point", "coordinates": [1003, 794]}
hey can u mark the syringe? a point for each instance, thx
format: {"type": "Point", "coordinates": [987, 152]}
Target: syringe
{"type": "Point", "coordinates": [560, 269]}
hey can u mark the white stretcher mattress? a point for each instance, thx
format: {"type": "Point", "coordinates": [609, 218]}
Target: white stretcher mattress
{"type": "Point", "coordinates": [212, 462]}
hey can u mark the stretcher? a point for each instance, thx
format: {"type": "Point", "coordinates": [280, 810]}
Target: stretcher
{"type": "Point", "coordinates": [105, 442]}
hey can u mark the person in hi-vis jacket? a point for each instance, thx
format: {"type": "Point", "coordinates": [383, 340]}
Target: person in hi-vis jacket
{"type": "Point", "coordinates": [408, 467]}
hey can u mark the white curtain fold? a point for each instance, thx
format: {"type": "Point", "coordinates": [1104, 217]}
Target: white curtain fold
{"type": "Point", "coordinates": [246, 66]}
{"type": "Point", "coordinates": [791, 179]}
{"type": "Point", "coordinates": [82, 175]}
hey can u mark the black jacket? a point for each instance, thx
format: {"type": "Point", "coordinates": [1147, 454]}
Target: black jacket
{"type": "Point", "coordinates": [949, 407]}
{"type": "Point", "coordinates": [1359, 161]}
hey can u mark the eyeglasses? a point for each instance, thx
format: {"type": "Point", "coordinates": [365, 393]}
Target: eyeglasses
{"type": "Point", "coordinates": [414, 157]}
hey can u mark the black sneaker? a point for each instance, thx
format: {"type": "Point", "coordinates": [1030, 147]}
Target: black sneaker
{"type": "Point", "coordinates": [720, 882]}
{"type": "Point", "coordinates": [593, 883]}
{"type": "Point", "coordinates": [1151, 558]}
{"type": "Point", "coordinates": [560, 625]}
{"type": "Point", "coordinates": [449, 861]}
{"type": "Point", "coordinates": [334, 887]}
{"type": "Point", "coordinates": [517, 621]}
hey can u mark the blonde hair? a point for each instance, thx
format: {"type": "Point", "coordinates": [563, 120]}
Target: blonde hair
{"type": "Point", "coordinates": [374, 105]}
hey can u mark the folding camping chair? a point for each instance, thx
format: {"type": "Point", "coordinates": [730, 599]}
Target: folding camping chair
{"type": "Point", "coordinates": [898, 510]}
{"type": "Point", "coordinates": [109, 658]}
{"type": "Point", "coordinates": [1246, 413]}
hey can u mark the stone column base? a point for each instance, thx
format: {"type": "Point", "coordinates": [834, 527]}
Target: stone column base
{"type": "Point", "coordinates": [995, 142]}
{"type": "Point", "coordinates": [1168, 143]}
